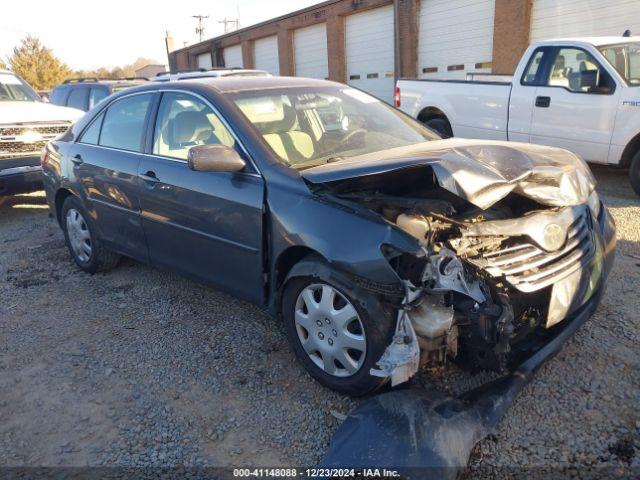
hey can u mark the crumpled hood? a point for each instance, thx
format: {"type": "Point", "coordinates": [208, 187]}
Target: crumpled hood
{"type": "Point", "coordinates": [27, 112]}
{"type": "Point", "coordinates": [482, 172]}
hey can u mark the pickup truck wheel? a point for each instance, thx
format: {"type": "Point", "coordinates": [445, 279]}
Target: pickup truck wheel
{"type": "Point", "coordinates": [441, 126]}
{"type": "Point", "coordinates": [337, 332]}
{"type": "Point", "coordinates": [84, 245]}
{"type": "Point", "coordinates": [634, 173]}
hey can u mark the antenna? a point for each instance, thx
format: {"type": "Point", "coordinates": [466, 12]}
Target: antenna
{"type": "Point", "coordinates": [200, 28]}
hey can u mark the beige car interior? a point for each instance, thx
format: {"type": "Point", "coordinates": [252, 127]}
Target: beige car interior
{"type": "Point", "coordinates": [178, 132]}
{"type": "Point", "coordinates": [569, 67]}
{"type": "Point", "coordinates": [278, 123]}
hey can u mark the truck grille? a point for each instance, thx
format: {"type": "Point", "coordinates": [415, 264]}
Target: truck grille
{"type": "Point", "coordinates": [529, 268]}
{"type": "Point", "coordinates": [36, 136]}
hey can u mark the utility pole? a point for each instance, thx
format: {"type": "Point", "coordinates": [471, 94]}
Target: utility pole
{"type": "Point", "coordinates": [200, 28]}
{"type": "Point", "coordinates": [226, 23]}
{"type": "Point", "coordinates": [236, 22]}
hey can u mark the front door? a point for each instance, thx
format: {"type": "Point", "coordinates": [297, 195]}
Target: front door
{"type": "Point", "coordinates": [575, 108]}
{"type": "Point", "coordinates": [105, 166]}
{"type": "Point", "coordinates": [207, 225]}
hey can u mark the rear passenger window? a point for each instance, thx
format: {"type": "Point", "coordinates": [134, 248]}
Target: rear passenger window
{"type": "Point", "coordinates": [78, 98]}
{"type": "Point", "coordinates": [92, 134]}
{"type": "Point", "coordinates": [59, 95]}
{"type": "Point", "coordinates": [95, 95]}
{"type": "Point", "coordinates": [123, 124]}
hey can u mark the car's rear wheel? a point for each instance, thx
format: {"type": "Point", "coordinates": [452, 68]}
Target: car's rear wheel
{"type": "Point", "coordinates": [337, 331]}
{"type": "Point", "coordinates": [84, 245]}
{"type": "Point", "coordinates": [634, 173]}
{"type": "Point", "coordinates": [441, 126]}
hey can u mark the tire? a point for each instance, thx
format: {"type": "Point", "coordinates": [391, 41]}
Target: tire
{"type": "Point", "coordinates": [371, 330]}
{"type": "Point", "coordinates": [634, 173]}
{"type": "Point", "coordinates": [441, 126]}
{"type": "Point", "coordinates": [82, 241]}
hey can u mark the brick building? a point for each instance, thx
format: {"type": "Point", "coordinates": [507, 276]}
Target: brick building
{"type": "Point", "coordinates": [370, 43]}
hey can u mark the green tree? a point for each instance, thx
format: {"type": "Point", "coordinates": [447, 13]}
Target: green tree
{"type": "Point", "coordinates": [37, 64]}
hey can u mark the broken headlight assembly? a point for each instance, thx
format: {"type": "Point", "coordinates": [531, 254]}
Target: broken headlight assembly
{"type": "Point", "coordinates": [594, 204]}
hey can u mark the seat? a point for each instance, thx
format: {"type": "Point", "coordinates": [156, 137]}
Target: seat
{"type": "Point", "coordinates": [185, 130]}
{"type": "Point", "coordinates": [289, 143]}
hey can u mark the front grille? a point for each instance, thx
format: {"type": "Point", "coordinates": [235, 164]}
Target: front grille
{"type": "Point", "coordinates": [529, 268]}
{"type": "Point", "coordinates": [12, 145]}
{"type": "Point", "coordinates": [11, 149]}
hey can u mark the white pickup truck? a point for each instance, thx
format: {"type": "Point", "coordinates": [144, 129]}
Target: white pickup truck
{"type": "Point", "coordinates": [27, 123]}
{"type": "Point", "coordinates": [582, 94]}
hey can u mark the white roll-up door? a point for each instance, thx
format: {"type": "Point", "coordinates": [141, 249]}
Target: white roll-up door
{"type": "Point", "coordinates": [310, 51]}
{"type": "Point", "coordinates": [369, 47]}
{"type": "Point", "coordinates": [266, 53]}
{"type": "Point", "coordinates": [455, 37]}
{"type": "Point", "coordinates": [204, 60]}
{"type": "Point", "coordinates": [233, 56]}
{"type": "Point", "coordinates": [579, 18]}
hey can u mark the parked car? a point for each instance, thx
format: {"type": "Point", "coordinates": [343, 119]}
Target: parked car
{"type": "Point", "coordinates": [26, 124]}
{"type": "Point", "coordinates": [378, 243]}
{"type": "Point", "coordinates": [582, 94]}
{"type": "Point", "coordinates": [85, 93]}
{"type": "Point", "coordinates": [209, 73]}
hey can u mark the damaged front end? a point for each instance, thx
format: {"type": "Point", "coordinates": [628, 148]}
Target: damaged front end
{"type": "Point", "coordinates": [504, 256]}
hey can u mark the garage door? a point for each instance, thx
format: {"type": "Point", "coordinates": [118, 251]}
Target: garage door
{"type": "Point", "coordinates": [204, 60]}
{"type": "Point", "coordinates": [369, 46]}
{"type": "Point", "coordinates": [266, 52]}
{"type": "Point", "coordinates": [455, 37]}
{"type": "Point", "coordinates": [310, 51]}
{"type": "Point", "coordinates": [571, 18]}
{"type": "Point", "coordinates": [233, 56]}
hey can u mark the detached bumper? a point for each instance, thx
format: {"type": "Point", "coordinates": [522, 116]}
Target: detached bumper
{"type": "Point", "coordinates": [20, 175]}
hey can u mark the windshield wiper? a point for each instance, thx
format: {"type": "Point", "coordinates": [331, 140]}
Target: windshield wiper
{"type": "Point", "coordinates": [317, 162]}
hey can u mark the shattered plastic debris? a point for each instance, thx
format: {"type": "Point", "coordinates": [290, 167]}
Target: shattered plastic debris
{"type": "Point", "coordinates": [401, 359]}
{"type": "Point", "coordinates": [427, 434]}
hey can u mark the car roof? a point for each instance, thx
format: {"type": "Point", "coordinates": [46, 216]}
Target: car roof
{"type": "Point", "coordinates": [595, 41]}
{"type": "Point", "coordinates": [109, 82]}
{"type": "Point", "coordinates": [240, 83]}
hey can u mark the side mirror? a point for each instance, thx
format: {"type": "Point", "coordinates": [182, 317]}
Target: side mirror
{"type": "Point", "coordinates": [214, 158]}
{"type": "Point", "coordinates": [589, 80]}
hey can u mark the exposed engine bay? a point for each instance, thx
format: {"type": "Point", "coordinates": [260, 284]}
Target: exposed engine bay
{"type": "Point", "coordinates": [490, 278]}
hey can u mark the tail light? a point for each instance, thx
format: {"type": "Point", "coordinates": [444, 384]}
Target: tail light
{"type": "Point", "coordinates": [397, 97]}
{"type": "Point", "coordinates": [44, 154]}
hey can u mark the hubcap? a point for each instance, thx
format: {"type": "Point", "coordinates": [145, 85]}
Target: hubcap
{"type": "Point", "coordinates": [79, 236]}
{"type": "Point", "coordinates": [330, 330]}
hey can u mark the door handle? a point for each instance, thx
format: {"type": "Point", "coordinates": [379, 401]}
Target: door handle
{"type": "Point", "coordinates": [543, 102]}
{"type": "Point", "coordinates": [77, 159]}
{"type": "Point", "coordinates": [149, 177]}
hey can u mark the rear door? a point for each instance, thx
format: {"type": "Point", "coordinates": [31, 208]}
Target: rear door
{"type": "Point", "coordinates": [105, 167]}
{"type": "Point", "coordinates": [576, 105]}
{"type": "Point", "coordinates": [207, 225]}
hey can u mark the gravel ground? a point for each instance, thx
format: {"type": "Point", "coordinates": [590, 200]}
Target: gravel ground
{"type": "Point", "coordinates": [142, 367]}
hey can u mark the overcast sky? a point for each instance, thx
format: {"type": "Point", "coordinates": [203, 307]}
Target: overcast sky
{"type": "Point", "coordinates": [89, 34]}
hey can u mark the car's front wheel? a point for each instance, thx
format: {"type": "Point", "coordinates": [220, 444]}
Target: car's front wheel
{"type": "Point", "coordinates": [338, 331]}
{"type": "Point", "coordinates": [634, 173]}
{"type": "Point", "coordinates": [84, 245]}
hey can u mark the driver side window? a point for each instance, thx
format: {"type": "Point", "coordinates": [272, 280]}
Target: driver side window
{"type": "Point", "coordinates": [577, 71]}
{"type": "Point", "coordinates": [185, 121]}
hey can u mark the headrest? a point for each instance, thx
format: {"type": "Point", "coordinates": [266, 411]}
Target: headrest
{"type": "Point", "coordinates": [269, 114]}
{"type": "Point", "coordinates": [189, 126]}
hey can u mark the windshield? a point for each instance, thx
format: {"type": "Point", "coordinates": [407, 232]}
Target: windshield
{"type": "Point", "coordinates": [307, 127]}
{"type": "Point", "coordinates": [625, 58]}
{"type": "Point", "coordinates": [13, 89]}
